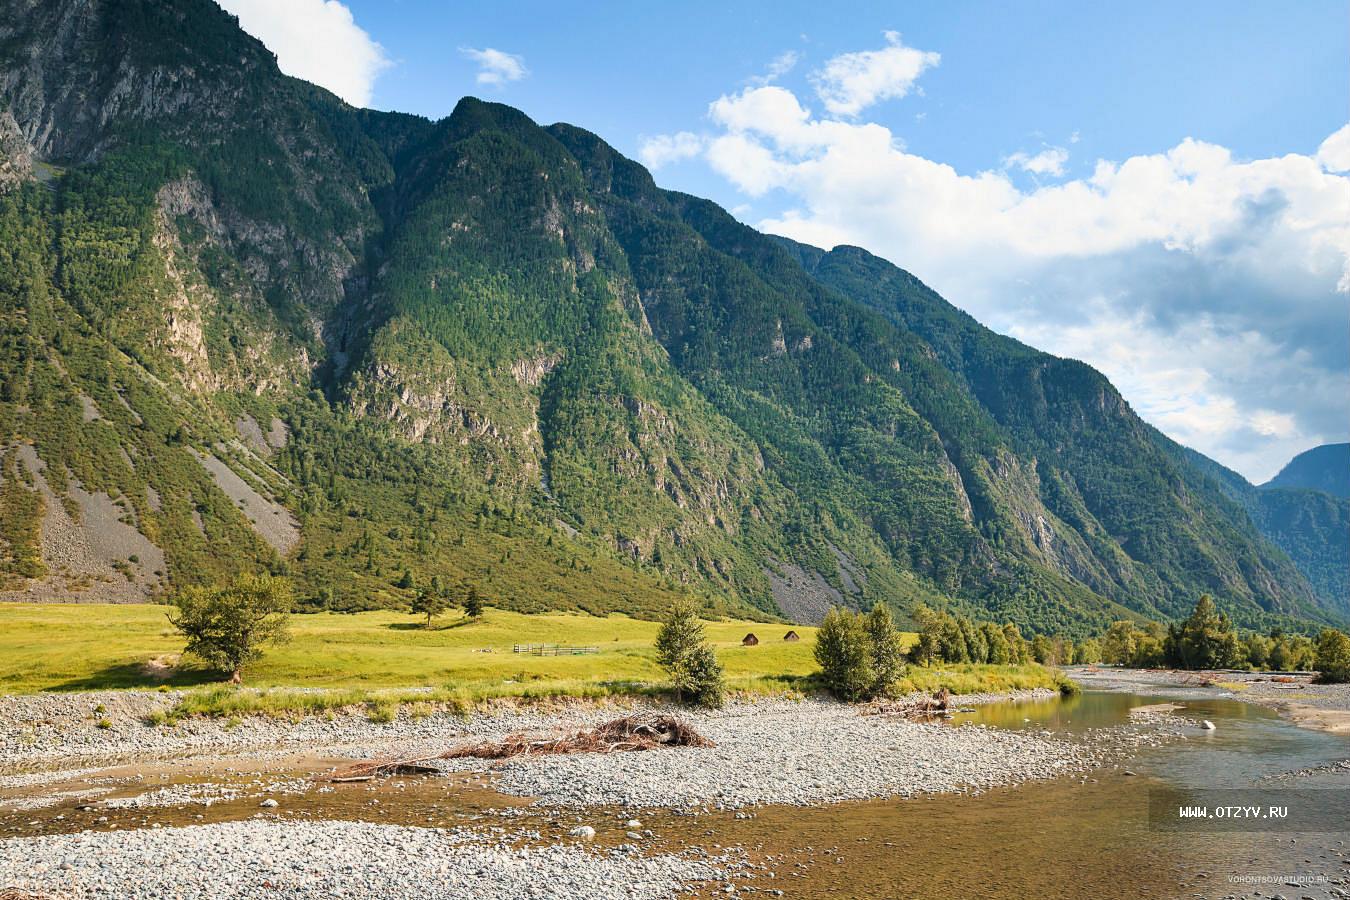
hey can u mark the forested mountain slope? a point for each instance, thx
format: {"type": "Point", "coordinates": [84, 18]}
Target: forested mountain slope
{"type": "Point", "coordinates": [247, 325]}
{"type": "Point", "coordinates": [1311, 526]}
{"type": "Point", "coordinates": [1325, 468]}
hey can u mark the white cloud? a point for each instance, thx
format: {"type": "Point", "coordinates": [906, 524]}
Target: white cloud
{"type": "Point", "coordinates": [1334, 154]}
{"type": "Point", "coordinates": [1211, 289]}
{"type": "Point", "coordinates": [665, 149]}
{"type": "Point", "coordinates": [495, 67]}
{"type": "Point", "coordinates": [779, 66]}
{"type": "Point", "coordinates": [1049, 161]}
{"type": "Point", "coordinates": [317, 40]}
{"type": "Point", "coordinates": [851, 82]}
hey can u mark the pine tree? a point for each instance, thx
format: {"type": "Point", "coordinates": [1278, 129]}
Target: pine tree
{"type": "Point", "coordinates": [682, 649]}
{"type": "Point", "coordinates": [430, 603]}
{"type": "Point", "coordinates": [473, 603]}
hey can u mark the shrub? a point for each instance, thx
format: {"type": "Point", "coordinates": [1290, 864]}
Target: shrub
{"type": "Point", "coordinates": [226, 627]}
{"type": "Point", "coordinates": [1333, 657]}
{"type": "Point", "coordinates": [844, 655]}
{"type": "Point", "coordinates": [682, 649]}
{"type": "Point", "coordinates": [382, 710]}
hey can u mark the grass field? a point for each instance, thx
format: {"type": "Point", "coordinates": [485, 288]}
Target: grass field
{"type": "Point", "coordinates": [380, 657]}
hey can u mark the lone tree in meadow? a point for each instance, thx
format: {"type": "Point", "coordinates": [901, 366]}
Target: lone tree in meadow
{"type": "Point", "coordinates": [682, 649]}
{"type": "Point", "coordinates": [473, 603]}
{"type": "Point", "coordinates": [431, 602]}
{"type": "Point", "coordinates": [227, 626]}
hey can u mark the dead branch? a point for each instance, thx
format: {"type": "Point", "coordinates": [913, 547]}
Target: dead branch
{"type": "Point", "coordinates": [625, 735]}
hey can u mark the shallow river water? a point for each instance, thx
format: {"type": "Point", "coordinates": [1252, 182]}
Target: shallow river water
{"type": "Point", "coordinates": [1086, 836]}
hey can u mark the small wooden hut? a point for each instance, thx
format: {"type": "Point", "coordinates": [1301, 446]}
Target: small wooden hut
{"type": "Point", "coordinates": [792, 636]}
{"type": "Point", "coordinates": [749, 640]}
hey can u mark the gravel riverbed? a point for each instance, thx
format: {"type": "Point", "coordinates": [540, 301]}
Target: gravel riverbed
{"type": "Point", "coordinates": [258, 858]}
{"type": "Point", "coordinates": [800, 753]}
{"type": "Point", "coordinates": [767, 751]}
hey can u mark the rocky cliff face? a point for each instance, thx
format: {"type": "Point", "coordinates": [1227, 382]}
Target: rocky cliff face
{"type": "Point", "coordinates": [499, 354]}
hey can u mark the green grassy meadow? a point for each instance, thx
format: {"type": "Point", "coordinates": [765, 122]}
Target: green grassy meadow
{"type": "Point", "coordinates": [58, 647]}
{"type": "Point", "coordinates": [383, 658]}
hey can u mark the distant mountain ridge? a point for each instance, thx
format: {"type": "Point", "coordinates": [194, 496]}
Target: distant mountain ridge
{"type": "Point", "coordinates": [1325, 468]}
{"type": "Point", "coordinates": [1311, 526]}
{"type": "Point", "coordinates": [255, 327]}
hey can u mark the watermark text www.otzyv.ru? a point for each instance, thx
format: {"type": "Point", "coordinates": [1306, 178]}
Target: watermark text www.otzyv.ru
{"type": "Point", "coordinates": [1277, 810]}
{"type": "Point", "coordinates": [1233, 812]}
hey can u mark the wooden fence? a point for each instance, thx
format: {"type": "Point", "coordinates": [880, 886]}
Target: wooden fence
{"type": "Point", "coordinates": [552, 650]}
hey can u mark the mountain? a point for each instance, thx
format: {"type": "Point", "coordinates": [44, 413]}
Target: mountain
{"type": "Point", "coordinates": [247, 325]}
{"type": "Point", "coordinates": [1325, 468]}
{"type": "Point", "coordinates": [1312, 527]}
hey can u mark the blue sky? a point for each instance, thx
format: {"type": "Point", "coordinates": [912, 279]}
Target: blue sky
{"type": "Point", "coordinates": [1262, 79]}
{"type": "Point", "coordinates": [965, 142]}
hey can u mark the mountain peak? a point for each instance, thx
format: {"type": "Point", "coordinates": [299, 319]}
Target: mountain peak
{"type": "Point", "coordinates": [1325, 468]}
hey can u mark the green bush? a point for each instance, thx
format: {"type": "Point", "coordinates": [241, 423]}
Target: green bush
{"type": "Point", "coordinates": [860, 656]}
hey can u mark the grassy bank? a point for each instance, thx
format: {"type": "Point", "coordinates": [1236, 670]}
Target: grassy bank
{"type": "Point", "coordinates": [383, 660]}
{"type": "Point", "coordinates": [64, 647]}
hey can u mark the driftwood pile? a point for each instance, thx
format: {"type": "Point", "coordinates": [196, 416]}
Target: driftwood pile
{"type": "Point", "coordinates": [940, 704]}
{"type": "Point", "coordinates": [630, 733]}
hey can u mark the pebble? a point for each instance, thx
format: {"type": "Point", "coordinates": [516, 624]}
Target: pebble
{"type": "Point", "coordinates": [832, 755]}
{"type": "Point", "coordinates": [268, 859]}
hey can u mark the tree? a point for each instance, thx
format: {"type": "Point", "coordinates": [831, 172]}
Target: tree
{"type": "Point", "coordinates": [1333, 657]}
{"type": "Point", "coordinates": [431, 602]}
{"type": "Point", "coordinates": [887, 658]}
{"type": "Point", "coordinates": [1044, 650]}
{"type": "Point", "coordinates": [1205, 640]}
{"type": "Point", "coordinates": [473, 603]}
{"type": "Point", "coordinates": [1256, 649]}
{"type": "Point", "coordinates": [1088, 652]}
{"type": "Point", "coordinates": [227, 626]}
{"type": "Point", "coordinates": [682, 649]}
{"type": "Point", "coordinates": [1000, 654]}
{"type": "Point", "coordinates": [844, 655]}
{"type": "Point", "coordinates": [1120, 642]}
{"type": "Point", "coordinates": [925, 650]}
{"type": "Point", "coordinates": [1019, 654]}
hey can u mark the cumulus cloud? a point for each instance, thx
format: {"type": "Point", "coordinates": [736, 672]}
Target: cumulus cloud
{"type": "Point", "coordinates": [1049, 161]}
{"type": "Point", "coordinates": [317, 40]}
{"type": "Point", "coordinates": [665, 149]}
{"type": "Point", "coordinates": [1212, 290]}
{"type": "Point", "coordinates": [851, 82]}
{"type": "Point", "coordinates": [1334, 154]}
{"type": "Point", "coordinates": [495, 67]}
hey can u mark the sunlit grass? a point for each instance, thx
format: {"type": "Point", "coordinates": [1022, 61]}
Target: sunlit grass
{"type": "Point", "coordinates": [382, 662]}
{"type": "Point", "coordinates": [46, 647]}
